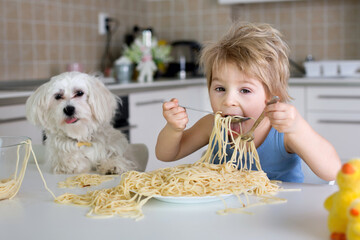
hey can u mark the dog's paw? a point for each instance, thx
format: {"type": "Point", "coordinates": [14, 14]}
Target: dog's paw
{"type": "Point", "coordinates": [114, 170]}
{"type": "Point", "coordinates": [110, 167]}
{"type": "Point", "coordinates": [110, 171]}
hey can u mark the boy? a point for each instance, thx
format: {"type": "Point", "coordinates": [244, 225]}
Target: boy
{"type": "Point", "coordinates": [244, 70]}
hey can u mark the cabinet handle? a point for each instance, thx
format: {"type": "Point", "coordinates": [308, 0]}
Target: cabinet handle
{"type": "Point", "coordinates": [155, 101]}
{"type": "Point", "coordinates": [8, 120]}
{"type": "Point", "coordinates": [339, 96]}
{"type": "Point", "coordinates": [326, 121]}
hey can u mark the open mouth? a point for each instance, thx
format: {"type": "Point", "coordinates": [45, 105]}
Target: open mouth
{"type": "Point", "coordinates": [71, 120]}
{"type": "Point", "coordinates": [235, 128]}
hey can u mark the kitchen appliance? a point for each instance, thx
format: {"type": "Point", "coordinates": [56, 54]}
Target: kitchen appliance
{"type": "Point", "coordinates": [185, 57]}
{"type": "Point", "coordinates": [121, 118]}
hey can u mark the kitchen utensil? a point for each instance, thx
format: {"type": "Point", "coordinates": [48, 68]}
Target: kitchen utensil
{"type": "Point", "coordinates": [185, 55]}
{"type": "Point", "coordinates": [123, 70]}
{"type": "Point", "coordinates": [249, 136]}
{"type": "Point", "coordinates": [234, 119]}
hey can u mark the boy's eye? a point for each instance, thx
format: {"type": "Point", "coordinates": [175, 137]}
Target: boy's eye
{"type": "Point", "coordinates": [219, 89]}
{"type": "Point", "coordinates": [58, 96]}
{"type": "Point", "coordinates": [79, 93]}
{"type": "Point", "coordinates": [244, 90]}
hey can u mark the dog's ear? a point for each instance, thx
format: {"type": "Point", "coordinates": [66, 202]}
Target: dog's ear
{"type": "Point", "coordinates": [36, 106]}
{"type": "Point", "coordinates": [102, 102]}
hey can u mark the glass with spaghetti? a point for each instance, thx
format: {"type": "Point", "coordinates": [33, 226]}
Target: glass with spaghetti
{"type": "Point", "coordinates": [14, 155]}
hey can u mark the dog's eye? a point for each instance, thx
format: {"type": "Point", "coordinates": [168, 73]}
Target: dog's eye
{"type": "Point", "coordinates": [79, 93]}
{"type": "Point", "coordinates": [58, 96]}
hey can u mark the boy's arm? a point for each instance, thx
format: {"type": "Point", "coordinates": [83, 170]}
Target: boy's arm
{"type": "Point", "coordinates": [315, 150]}
{"type": "Point", "coordinates": [302, 139]}
{"type": "Point", "coordinates": [168, 144]}
{"type": "Point", "coordinates": [172, 145]}
{"type": "Point", "coordinates": [173, 142]}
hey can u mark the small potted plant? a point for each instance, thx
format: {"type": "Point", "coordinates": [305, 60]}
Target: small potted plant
{"type": "Point", "coordinates": [157, 52]}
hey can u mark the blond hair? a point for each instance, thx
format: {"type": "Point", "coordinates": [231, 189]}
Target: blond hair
{"type": "Point", "coordinates": [256, 49]}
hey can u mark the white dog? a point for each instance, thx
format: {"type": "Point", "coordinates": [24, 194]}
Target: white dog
{"type": "Point", "coordinates": [76, 110]}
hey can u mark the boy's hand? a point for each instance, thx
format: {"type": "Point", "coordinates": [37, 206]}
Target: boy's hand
{"type": "Point", "coordinates": [176, 116]}
{"type": "Point", "coordinates": [283, 117]}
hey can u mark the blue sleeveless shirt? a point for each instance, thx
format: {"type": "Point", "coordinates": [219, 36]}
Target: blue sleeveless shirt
{"type": "Point", "coordinates": [275, 161]}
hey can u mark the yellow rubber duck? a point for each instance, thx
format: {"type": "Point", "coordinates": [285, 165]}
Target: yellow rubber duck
{"type": "Point", "coordinates": [348, 180]}
{"type": "Point", "coordinates": [353, 227]}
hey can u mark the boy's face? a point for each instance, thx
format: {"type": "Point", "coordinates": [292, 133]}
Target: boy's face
{"type": "Point", "coordinates": [234, 93]}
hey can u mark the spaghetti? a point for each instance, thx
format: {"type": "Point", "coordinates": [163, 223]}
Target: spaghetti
{"type": "Point", "coordinates": [10, 187]}
{"type": "Point", "coordinates": [202, 178]}
{"type": "Point", "coordinates": [85, 180]}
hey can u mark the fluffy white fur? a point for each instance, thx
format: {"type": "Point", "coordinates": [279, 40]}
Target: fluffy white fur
{"type": "Point", "coordinates": [92, 108]}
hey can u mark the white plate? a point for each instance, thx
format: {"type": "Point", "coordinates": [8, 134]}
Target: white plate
{"type": "Point", "coordinates": [204, 199]}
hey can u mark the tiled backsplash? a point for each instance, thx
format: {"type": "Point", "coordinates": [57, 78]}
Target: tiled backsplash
{"type": "Point", "coordinates": [327, 29]}
{"type": "Point", "coordinates": [38, 38]}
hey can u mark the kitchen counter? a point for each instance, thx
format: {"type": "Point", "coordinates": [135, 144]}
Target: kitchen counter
{"type": "Point", "coordinates": [10, 97]}
{"type": "Point", "coordinates": [335, 81]}
{"type": "Point", "coordinates": [32, 214]}
{"type": "Point", "coordinates": [124, 89]}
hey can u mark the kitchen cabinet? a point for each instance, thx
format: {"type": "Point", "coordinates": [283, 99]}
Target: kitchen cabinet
{"type": "Point", "coordinates": [13, 122]}
{"type": "Point", "coordinates": [297, 94]}
{"type": "Point", "coordinates": [333, 112]}
{"type": "Point", "coordinates": [146, 118]}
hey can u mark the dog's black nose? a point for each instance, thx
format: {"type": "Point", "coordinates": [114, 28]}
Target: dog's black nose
{"type": "Point", "coordinates": [69, 110]}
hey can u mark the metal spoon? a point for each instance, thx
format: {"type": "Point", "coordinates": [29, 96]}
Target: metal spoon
{"type": "Point", "coordinates": [234, 118]}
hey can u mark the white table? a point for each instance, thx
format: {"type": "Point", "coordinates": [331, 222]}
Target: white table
{"type": "Point", "coordinates": [32, 214]}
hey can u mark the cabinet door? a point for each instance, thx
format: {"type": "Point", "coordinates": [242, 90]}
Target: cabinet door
{"type": "Point", "coordinates": [297, 93]}
{"type": "Point", "coordinates": [334, 99]}
{"type": "Point", "coordinates": [334, 112]}
{"type": "Point", "coordinates": [341, 129]}
{"type": "Point", "coordinates": [147, 118]}
{"type": "Point", "coordinates": [13, 123]}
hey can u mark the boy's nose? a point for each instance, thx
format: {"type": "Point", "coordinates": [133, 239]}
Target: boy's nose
{"type": "Point", "coordinates": [230, 100]}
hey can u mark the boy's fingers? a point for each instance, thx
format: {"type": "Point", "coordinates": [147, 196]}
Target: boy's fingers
{"type": "Point", "coordinates": [275, 107]}
{"type": "Point", "coordinates": [181, 115]}
{"type": "Point", "coordinates": [174, 102]}
{"type": "Point", "coordinates": [276, 115]}
{"type": "Point", "coordinates": [176, 113]}
{"type": "Point", "coordinates": [169, 105]}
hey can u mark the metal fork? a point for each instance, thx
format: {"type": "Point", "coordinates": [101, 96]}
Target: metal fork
{"type": "Point", "coordinates": [234, 118]}
{"type": "Point", "coordinates": [249, 136]}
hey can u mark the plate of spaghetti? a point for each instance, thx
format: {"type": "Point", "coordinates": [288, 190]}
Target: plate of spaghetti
{"type": "Point", "coordinates": [199, 182]}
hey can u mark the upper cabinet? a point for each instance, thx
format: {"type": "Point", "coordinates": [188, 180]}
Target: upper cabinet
{"type": "Point", "coordinates": [252, 1]}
